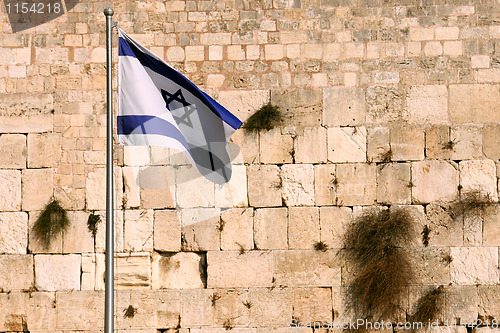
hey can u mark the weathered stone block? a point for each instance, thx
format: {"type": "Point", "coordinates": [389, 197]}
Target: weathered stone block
{"type": "Point", "coordinates": [474, 103]}
{"type": "Point", "coordinates": [491, 148]}
{"type": "Point", "coordinates": [393, 183]}
{"type": "Point", "coordinates": [230, 269]}
{"type": "Point", "coordinates": [37, 188]}
{"type": "Point", "coordinates": [312, 304]}
{"type": "Point", "coordinates": [200, 229]}
{"type": "Point", "coordinates": [270, 228]}
{"type": "Point", "coordinates": [133, 271]}
{"type": "Point", "coordinates": [44, 150]}
{"type": "Point", "coordinates": [88, 271]}
{"type": "Point", "coordinates": [100, 239]}
{"type": "Point", "coordinates": [231, 307]}
{"type": "Point", "coordinates": [325, 185]}
{"type": "Point", "coordinates": [196, 307]}
{"type": "Point", "coordinates": [17, 272]}
{"type": "Point", "coordinates": [156, 190]}
{"type": "Point", "coordinates": [271, 307]}
{"type": "Point", "coordinates": [95, 193]}
{"type": "Point", "coordinates": [156, 308]}
{"type": "Point", "coordinates": [346, 144]}
{"type": "Point", "coordinates": [474, 265]}
{"type": "Point", "coordinates": [234, 193]}
{"type": "Point", "coordinates": [13, 315]}
{"type": "Point", "coordinates": [264, 185]}
{"type": "Point", "coordinates": [82, 309]}
{"type": "Point", "coordinates": [243, 103]}
{"type": "Point", "coordinates": [466, 142]}
{"type": "Point", "coordinates": [57, 272]}
{"type": "Point", "coordinates": [275, 147]}
{"type": "Point", "coordinates": [378, 148]}
{"type": "Point", "coordinates": [343, 107]}
{"type": "Point", "coordinates": [298, 184]}
{"type": "Point", "coordinates": [138, 230]}
{"type": "Point", "coordinates": [193, 190]}
{"type": "Point", "coordinates": [303, 227]}
{"type": "Point", "coordinates": [167, 231]}
{"type": "Point", "coordinates": [407, 143]}
{"type": "Point", "coordinates": [248, 144]}
{"type": "Point", "coordinates": [310, 146]}
{"type": "Point", "coordinates": [77, 237]}
{"type": "Point", "coordinates": [300, 107]}
{"type": "Point", "coordinates": [12, 151]}
{"type": "Point", "coordinates": [237, 231]}
{"type": "Point", "coordinates": [333, 221]}
{"type": "Point", "coordinates": [489, 301]}
{"type": "Point", "coordinates": [444, 231]}
{"type": "Point", "coordinates": [384, 104]}
{"type": "Point", "coordinates": [10, 182]}
{"type": "Point", "coordinates": [177, 270]}
{"type": "Point", "coordinates": [306, 268]}
{"type": "Point", "coordinates": [430, 266]}
{"type": "Point", "coordinates": [131, 190]}
{"type": "Point", "coordinates": [13, 233]}
{"type": "Point", "coordinates": [491, 226]}
{"type": "Point", "coordinates": [357, 184]}
{"type": "Point", "coordinates": [461, 304]}
{"type": "Point", "coordinates": [438, 144]}
{"type": "Point", "coordinates": [434, 180]}
{"type": "Point", "coordinates": [479, 175]}
{"type": "Point", "coordinates": [427, 105]}
{"type": "Point", "coordinates": [40, 311]}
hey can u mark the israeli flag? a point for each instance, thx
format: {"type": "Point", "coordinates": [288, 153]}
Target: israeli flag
{"type": "Point", "coordinates": [158, 106]}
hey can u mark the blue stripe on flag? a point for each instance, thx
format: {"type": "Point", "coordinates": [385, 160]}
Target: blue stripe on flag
{"type": "Point", "coordinates": [129, 49]}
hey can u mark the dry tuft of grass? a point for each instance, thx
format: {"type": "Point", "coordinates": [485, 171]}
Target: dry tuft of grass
{"type": "Point", "coordinates": [215, 297]}
{"type": "Point", "coordinates": [320, 246]}
{"type": "Point", "coordinates": [425, 235]}
{"type": "Point", "coordinates": [267, 117]}
{"type": "Point", "coordinates": [92, 223]}
{"type": "Point", "coordinates": [375, 244]}
{"type": "Point", "coordinates": [228, 324]}
{"type": "Point", "coordinates": [429, 306]}
{"type": "Point", "coordinates": [471, 202]}
{"type": "Point", "coordinates": [386, 156]}
{"type": "Point", "coordinates": [52, 221]}
{"type": "Point", "coordinates": [129, 312]}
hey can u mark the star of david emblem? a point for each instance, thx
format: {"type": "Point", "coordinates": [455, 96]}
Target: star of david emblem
{"type": "Point", "coordinates": [188, 108]}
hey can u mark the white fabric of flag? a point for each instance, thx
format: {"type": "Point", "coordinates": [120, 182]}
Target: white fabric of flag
{"type": "Point", "coordinates": [158, 106]}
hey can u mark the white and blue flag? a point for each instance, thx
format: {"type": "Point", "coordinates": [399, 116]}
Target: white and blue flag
{"type": "Point", "coordinates": [158, 106]}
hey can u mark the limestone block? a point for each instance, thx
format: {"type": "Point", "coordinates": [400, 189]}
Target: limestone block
{"type": "Point", "coordinates": [300, 107]}
{"type": "Point", "coordinates": [491, 226]}
{"type": "Point", "coordinates": [77, 238]}
{"type": "Point", "coordinates": [10, 182]}
{"type": "Point", "coordinates": [467, 142]}
{"type": "Point", "coordinates": [474, 103]}
{"type": "Point", "coordinates": [237, 231]}
{"type": "Point", "coordinates": [310, 146]}
{"type": "Point", "coordinates": [133, 271]}
{"type": "Point", "coordinates": [473, 230]}
{"type": "Point", "coordinates": [378, 144]}
{"type": "Point", "coordinates": [44, 150]}
{"type": "Point", "coordinates": [196, 307]}
{"type": "Point", "coordinates": [491, 148]}
{"type": "Point", "coordinates": [156, 190]}
{"type": "Point", "coordinates": [155, 309]}
{"type": "Point", "coordinates": [81, 309]}
{"type": "Point", "coordinates": [434, 180]}
{"type": "Point", "coordinates": [312, 304]}
{"type": "Point", "coordinates": [40, 311]}
{"type": "Point", "coordinates": [136, 155]}
{"type": "Point", "coordinates": [461, 304]}
{"type": "Point", "coordinates": [479, 175]}
{"type": "Point", "coordinates": [489, 301]}
{"type": "Point", "coordinates": [303, 227]}
{"type": "Point", "coordinates": [35, 245]}
{"type": "Point", "coordinates": [357, 184]}
{"type": "Point", "coordinates": [306, 268]}
{"type": "Point", "coordinates": [71, 198]}
{"type": "Point", "coordinates": [333, 222]}
{"type": "Point", "coordinates": [271, 307]}
{"type": "Point", "coordinates": [270, 228]}
{"type": "Point", "coordinates": [384, 104]}
{"type": "Point", "coordinates": [13, 233]}
{"type": "Point", "coordinates": [200, 229]}
{"type": "Point", "coordinates": [393, 183]}
{"type": "Point", "coordinates": [234, 193]}
{"type": "Point", "coordinates": [57, 272]}
{"type": "Point", "coordinates": [131, 189]}
{"type": "Point", "coordinates": [429, 265]}
{"type": "Point", "coordinates": [231, 305]}
{"type": "Point", "coordinates": [407, 143]}
{"type": "Point", "coordinates": [474, 265]}
{"type": "Point", "coordinates": [230, 269]}
{"type": "Point", "coordinates": [346, 144]}
{"type": "Point", "coordinates": [13, 314]}
{"type": "Point", "coordinates": [415, 295]}
{"type": "Point", "coordinates": [444, 231]}
{"type": "Point", "coordinates": [177, 270]}
{"type": "Point", "coordinates": [12, 151]}
{"type": "Point", "coordinates": [264, 185]}
{"type": "Point", "coordinates": [343, 107]}
{"type": "Point", "coordinates": [17, 272]}
{"type": "Point", "coordinates": [325, 184]}
{"type": "Point", "coordinates": [95, 193]}
{"type": "Point", "coordinates": [275, 147]}
{"type": "Point", "coordinates": [427, 105]}
{"type": "Point", "coordinates": [88, 271]}
{"type": "Point", "coordinates": [167, 231]}
{"type": "Point", "coordinates": [248, 144]}
{"type": "Point", "coordinates": [37, 188]}
{"type": "Point", "coordinates": [438, 142]}
{"type": "Point", "coordinates": [386, 77]}
{"type": "Point", "coordinates": [138, 230]}
{"type": "Point", "coordinates": [298, 184]}
{"type": "Point", "coordinates": [243, 103]}
{"type": "Point", "coordinates": [100, 239]}
{"type": "Point", "coordinates": [25, 123]}
{"type": "Point", "coordinates": [193, 190]}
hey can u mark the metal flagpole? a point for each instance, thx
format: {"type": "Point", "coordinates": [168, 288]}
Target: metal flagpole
{"type": "Point", "coordinates": [109, 294]}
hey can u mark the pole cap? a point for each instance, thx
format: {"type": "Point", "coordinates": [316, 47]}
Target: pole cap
{"type": "Point", "coordinates": [109, 11]}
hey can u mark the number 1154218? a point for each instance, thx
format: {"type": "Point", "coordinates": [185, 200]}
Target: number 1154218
{"type": "Point", "coordinates": [33, 8]}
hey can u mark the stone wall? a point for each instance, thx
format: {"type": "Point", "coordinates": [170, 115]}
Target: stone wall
{"type": "Point", "coordinates": [386, 102]}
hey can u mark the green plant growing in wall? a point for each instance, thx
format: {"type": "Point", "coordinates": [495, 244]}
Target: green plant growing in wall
{"type": "Point", "coordinates": [52, 221]}
{"type": "Point", "coordinates": [375, 243]}
{"type": "Point", "coordinates": [266, 118]}
{"type": "Point", "coordinates": [92, 223]}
